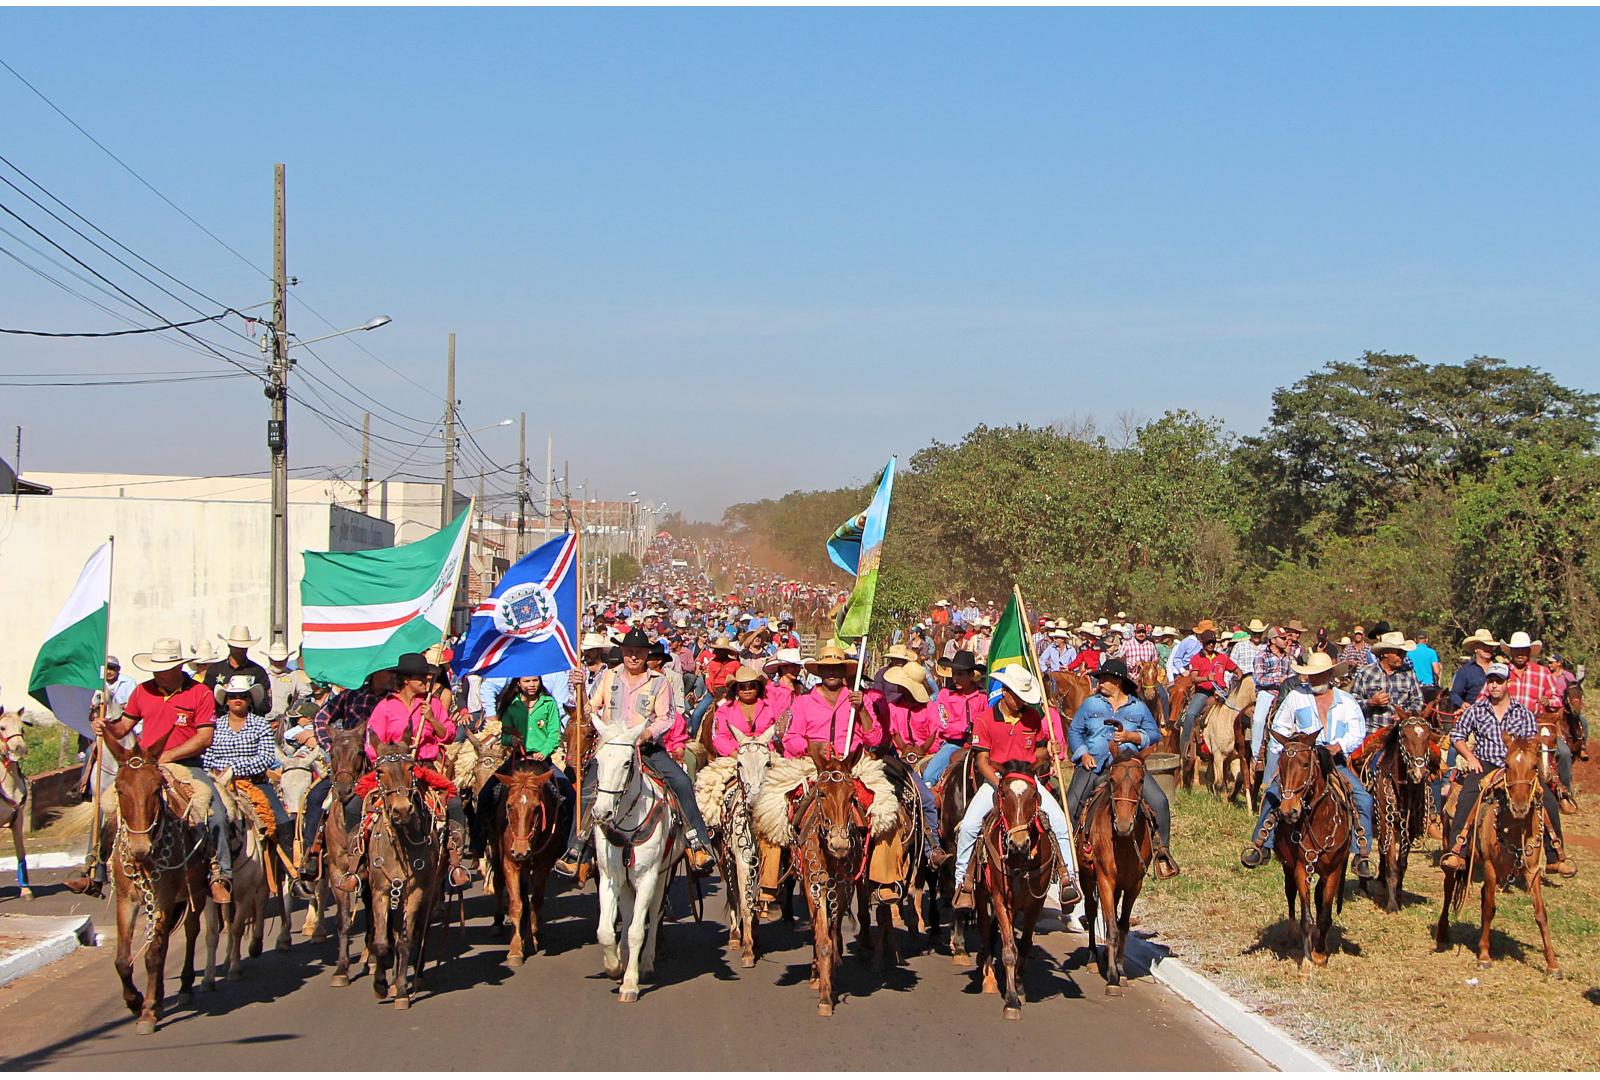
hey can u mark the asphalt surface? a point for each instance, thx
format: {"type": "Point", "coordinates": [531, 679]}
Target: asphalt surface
{"type": "Point", "coordinates": [559, 1011]}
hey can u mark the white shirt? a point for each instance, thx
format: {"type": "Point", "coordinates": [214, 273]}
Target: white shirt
{"type": "Point", "coordinates": [1347, 724]}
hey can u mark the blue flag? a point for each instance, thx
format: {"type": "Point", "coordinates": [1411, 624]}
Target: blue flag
{"type": "Point", "coordinates": [529, 624]}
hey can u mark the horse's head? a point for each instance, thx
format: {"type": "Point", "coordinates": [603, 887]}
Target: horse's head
{"type": "Point", "coordinates": [1414, 739]}
{"type": "Point", "coordinates": [616, 762]}
{"type": "Point", "coordinates": [347, 760]}
{"type": "Point", "coordinates": [395, 788]}
{"type": "Point", "coordinates": [138, 786]}
{"type": "Point", "coordinates": [1019, 805]}
{"type": "Point", "coordinates": [1149, 680]}
{"type": "Point", "coordinates": [1573, 698]}
{"type": "Point", "coordinates": [1522, 774]}
{"type": "Point", "coordinates": [526, 814]}
{"type": "Point", "coordinates": [1126, 779]}
{"type": "Point", "coordinates": [1298, 770]}
{"type": "Point", "coordinates": [835, 799]}
{"type": "Point", "coordinates": [753, 757]}
{"type": "Point", "coordinates": [13, 747]}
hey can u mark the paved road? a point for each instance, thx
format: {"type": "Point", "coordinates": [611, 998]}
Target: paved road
{"type": "Point", "coordinates": [560, 1011]}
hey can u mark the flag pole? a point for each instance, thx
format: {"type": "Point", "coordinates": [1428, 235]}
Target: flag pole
{"type": "Point", "coordinates": [1055, 748]}
{"type": "Point", "coordinates": [105, 699]}
{"type": "Point", "coordinates": [580, 678]}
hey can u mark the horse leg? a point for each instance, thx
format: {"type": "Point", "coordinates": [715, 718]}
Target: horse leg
{"type": "Point", "coordinates": [155, 966]}
{"type": "Point", "coordinates": [1105, 885]}
{"type": "Point", "coordinates": [213, 933]}
{"type": "Point", "coordinates": [344, 920]}
{"type": "Point", "coordinates": [1536, 890]}
{"type": "Point", "coordinates": [1490, 884]}
{"type": "Point", "coordinates": [641, 954]}
{"type": "Point", "coordinates": [19, 841]}
{"type": "Point", "coordinates": [191, 937]}
{"type": "Point", "coordinates": [1012, 1009]}
{"type": "Point", "coordinates": [378, 943]}
{"type": "Point", "coordinates": [126, 912]}
{"type": "Point", "coordinates": [400, 951]}
{"type": "Point", "coordinates": [508, 893]}
{"type": "Point", "coordinates": [1441, 930]}
{"type": "Point", "coordinates": [533, 903]}
{"type": "Point", "coordinates": [613, 882]}
{"type": "Point", "coordinates": [1130, 893]}
{"type": "Point", "coordinates": [750, 890]}
{"type": "Point", "coordinates": [985, 919]}
{"type": "Point", "coordinates": [881, 939]}
{"type": "Point", "coordinates": [1329, 885]}
{"type": "Point", "coordinates": [1394, 870]}
{"type": "Point", "coordinates": [285, 937]}
{"type": "Point", "coordinates": [1308, 913]}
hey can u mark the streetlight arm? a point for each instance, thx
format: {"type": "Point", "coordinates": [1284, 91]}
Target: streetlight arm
{"type": "Point", "coordinates": [370, 324]}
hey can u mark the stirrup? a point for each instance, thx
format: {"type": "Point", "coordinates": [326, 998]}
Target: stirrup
{"type": "Point", "coordinates": [1070, 892]}
{"type": "Point", "coordinates": [1253, 857]}
{"type": "Point", "coordinates": [1453, 860]}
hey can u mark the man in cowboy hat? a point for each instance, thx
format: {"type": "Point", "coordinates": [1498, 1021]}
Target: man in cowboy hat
{"type": "Point", "coordinates": [1356, 655]}
{"type": "Point", "coordinates": [1008, 739]}
{"type": "Point", "coordinates": [1058, 654]}
{"type": "Point", "coordinates": [1274, 666]}
{"type": "Point", "coordinates": [1187, 649]}
{"type": "Point", "coordinates": [178, 716]}
{"type": "Point", "coordinates": [1387, 683]}
{"type": "Point", "coordinates": [1112, 722]}
{"type": "Point", "coordinates": [288, 688]}
{"type": "Point", "coordinates": [1532, 686]}
{"type": "Point", "coordinates": [1210, 669]}
{"type": "Point", "coordinates": [957, 705]}
{"type": "Point", "coordinates": [238, 662]}
{"type": "Point", "coordinates": [1341, 726]}
{"type": "Point", "coordinates": [1247, 643]}
{"type": "Point", "coordinates": [1089, 652]}
{"type": "Point", "coordinates": [911, 732]}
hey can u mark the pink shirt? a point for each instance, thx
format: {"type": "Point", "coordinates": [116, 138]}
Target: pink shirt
{"type": "Point", "coordinates": [957, 711]}
{"type": "Point", "coordinates": [677, 736]}
{"type": "Point", "coordinates": [392, 722]}
{"type": "Point", "coordinates": [650, 699]}
{"type": "Point", "coordinates": [907, 719]}
{"type": "Point", "coordinates": [781, 696]}
{"type": "Point", "coordinates": [814, 720]}
{"type": "Point", "coordinates": [730, 718]}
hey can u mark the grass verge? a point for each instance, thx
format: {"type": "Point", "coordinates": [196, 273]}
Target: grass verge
{"type": "Point", "coordinates": [1387, 999]}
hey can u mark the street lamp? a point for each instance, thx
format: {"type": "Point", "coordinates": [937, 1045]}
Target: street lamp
{"type": "Point", "coordinates": [371, 324]}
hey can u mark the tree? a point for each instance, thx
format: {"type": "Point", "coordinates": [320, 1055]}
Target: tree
{"type": "Point", "coordinates": [625, 568]}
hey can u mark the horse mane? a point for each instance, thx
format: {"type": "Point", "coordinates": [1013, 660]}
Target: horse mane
{"type": "Point", "coordinates": [711, 784]}
{"type": "Point", "coordinates": [771, 811]}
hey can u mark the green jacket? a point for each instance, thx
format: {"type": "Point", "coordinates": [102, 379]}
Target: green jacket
{"type": "Point", "coordinates": [540, 734]}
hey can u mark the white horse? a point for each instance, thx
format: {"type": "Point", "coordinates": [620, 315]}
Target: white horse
{"type": "Point", "coordinates": [14, 793]}
{"type": "Point", "coordinates": [638, 842]}
{"type": "Point", "coordinates": [743, 883]}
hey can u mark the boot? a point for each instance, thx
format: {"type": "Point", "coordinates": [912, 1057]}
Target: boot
{"type": "Point", "coordinates": [1253, 856]}
{"type": "Point", "coordinates": [460, 876]}
{"type": "Point", "coordinates": [84, 885]}
{"type": "Point", "coordinates": [222, 890]}
{"type": "Point", "coordinates": [311, 864]}
{"type": "Point", "coordinates": [698, 858]}
{"type": "Point", "coordinates": [575, 860]}
{"type": "Point", "coordinates": [1070, 893]}
{"type": "Point", "coordinates": [1364, 868]}
{"type": "Point", "coordinates": [1560, 864]}
{"type": "Point", "coordinates": [1455, 859]}
{"type": "Point", "coordinates": [965, 898]}
{"type": "Point", "coordinates": [938, 856]}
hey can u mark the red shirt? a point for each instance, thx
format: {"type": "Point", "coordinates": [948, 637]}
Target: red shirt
{"type": "Point", "coordinates": [718, 672]}
{"type": "Point", "coordinates": [1209, 671]}
{"type": "Point", "coordinates": [1087, 661]}
{"type": "Point", "coordinates": [179, 715]}
{"type": "Point", "coordinates": [1012, 742]}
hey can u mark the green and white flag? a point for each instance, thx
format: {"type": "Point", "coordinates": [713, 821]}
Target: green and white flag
{"type": "Point", "coordinates": [361, 610]}
{"type": "Point", "coordinates": [71, 663]}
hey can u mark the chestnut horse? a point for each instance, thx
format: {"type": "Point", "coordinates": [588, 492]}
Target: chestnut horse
{"type": "Point", "coordinates": [1017, 861]}
{"type": "Point", "coordinates": [1399, 786]}
{"type": "Point", "coordinates": [1178, 691]}
{"type": "Point", "coordinates": [404, 874]}
{"type": "Point", "coordinates": [159, 867]}
{"type": "Point", "coordinates": [530, 822]}
{"type": "Point", "coordinates": [1152, 675]}
{"type": "Point", "coordinates": [1572, 700]}
{"type": "Point", "coordinates": [1312, 837]}
{"type": "Point", "coordinates": [828, 856]}
{"type": "Point", "coordinates": [1506, 838]}
{"type": "Point", "coordinates": [1067, 690]}
{"type": "Point", "coordinates": [347, 760]}
{"type": "Point", "coordinates": [1117, 838]}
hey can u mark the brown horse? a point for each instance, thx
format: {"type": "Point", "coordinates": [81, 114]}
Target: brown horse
{"type": "Point", "coordinates": [953, 792]}
{"type": "Point", "coordinates": [1118, 840]}
{"type": "Point", "coordinates": [1151, 676]}
{"type": "Point", "coordinates": [1312, 837]}
{"type": "Point", "coordinates": [1178, 692]}
{"type": "Point", "coordinates": [1506, 838]}
{"type": "Point", "coordinates": [405, 859]}
{"type": "Point", "coordinates": [1067, 690]}
{"type": "Point", "coordinates": [1572, 701]}
{"type": "Point", "coordinates": [347, 761]}
{"type": "Point", "coordinates": [1224, 729]}
{"type": "Point", "coordinates": [529, 824]}
{"type": "Point", "coordinates": [1400, 798]}
{"type": "Point", "coordinates": [828, 854]}
{"type": "Point", "coordinates": [1016, 862]}
{"type": "Point", "coordinates": [159, 867]}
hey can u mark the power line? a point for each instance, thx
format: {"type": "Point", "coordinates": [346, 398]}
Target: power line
{"type": "Point", "coordinates": [209, 377]}
{"type": "Point", "coordinates": [121, 333]}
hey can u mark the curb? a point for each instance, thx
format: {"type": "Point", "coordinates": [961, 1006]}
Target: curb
{"type": "Point", "coordinates": [1274, 1044]}
{"type": "Point", "coordinates": [56, 938]}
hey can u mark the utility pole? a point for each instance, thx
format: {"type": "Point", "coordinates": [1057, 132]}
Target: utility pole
{"type": "Point", "coordinates": [447, 498]}
{"type": "Point", "coordinates": [522, 487]}
{"type": "Point", "coordinates": [549, 440]}
{"type": "Point", "coordinates": [366, 458]}
{"type": "Point", "coordinates": [278, 426]}
{"type": "Point", "coordinates": [566, 496]}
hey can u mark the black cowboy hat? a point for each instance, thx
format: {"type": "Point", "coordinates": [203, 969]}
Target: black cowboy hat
{"type": "Point", "coordinates": [963, 660]}
{"type": "Point", "coordinates": [614, 656]}
{"type": "Point", "coordinates": [1378, 629]}
{"type": "Point", "coordinates": [635, 639]}
{"type": "Point", "coordinates": [658, 651]}
{"type": "Point", "coordinates": [1117, 669]}
{"type": "Point", "coordinates": [413, 665]}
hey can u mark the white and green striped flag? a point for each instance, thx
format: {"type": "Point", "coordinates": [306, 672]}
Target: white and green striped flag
{"type": "Point", "coordinates": [361, 610]}
{"type": "Point", "coordinates": [71, 663]}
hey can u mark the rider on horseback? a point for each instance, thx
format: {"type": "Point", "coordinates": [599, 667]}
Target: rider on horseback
{"type": "Point", "coordinates": [627, 697]}
{"type": "Point", "coordinates": [1108, 720]}
{"type": "Point", "coordinates": [1008, 738]}
{"type": "Point", "coordinates": [911, 730]}
{"type": "Point", "coordinates": [1210, 669]}
{"type": "Point", "coordinates": [530, 724]}
{"type": "Point", "coordinates": [956, 705]}
{"type": "Point", "coordinates": [1341, 727]}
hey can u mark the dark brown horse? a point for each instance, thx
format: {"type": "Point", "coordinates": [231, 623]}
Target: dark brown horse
{"type": "Point", "coordinates": [1505, 838]}
{"type": "Point", "coordinates": [405, 860]}
{"type": "Point", "coordinates": [159, 867]}
{"type": "Point", "coordinates": [1576, 741]}
{"type": "Point", "coordinates": [1016, 862]}
{"type": "Point", "coordinates": [828, 855]}
{"type": "Point", "coordinates": [529, 824]}
{"type": "Point", "coordinates": [1399, 784]}
{"type": "Point", "coordinates": [1312, 838]}
{"type": "Point", "coordinates": [1118, 837]}
{"type": "Point", "coordinates": [347, 760]}
{"type": "Point", "coordinates": [953, 792]}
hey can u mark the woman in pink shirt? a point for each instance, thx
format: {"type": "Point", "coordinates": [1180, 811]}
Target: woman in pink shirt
{"type": "Point", "coordinates": [912, 727]}
{"type": "Point", "coordinates": [748, 709]}
{"type": "Point", "coordinates": [784, 671]}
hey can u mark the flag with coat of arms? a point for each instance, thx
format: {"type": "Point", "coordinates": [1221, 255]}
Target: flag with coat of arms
{"type": "Point", "coordinates": [528, 625]}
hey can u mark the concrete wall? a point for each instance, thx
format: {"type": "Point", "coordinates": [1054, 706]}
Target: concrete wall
{"type": "Point", "coordinates": [182, 568]}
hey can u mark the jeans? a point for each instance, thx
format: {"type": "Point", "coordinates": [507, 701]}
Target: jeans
{"type": "Point", "coordinates": [669, 771]}
{"type": "Point", "coordinates": [939, 762]}
{"type": "Point", "coordinates": [1163, 697]}
{"type": "Point", "coordinates": [1084, 783]}
{"type": "Point", "coordinates": [978, 809]}
{"type": "Point", "coordinates": [1564, 762]}
{"type": "Point", "coordinates": [1467, 799]}
{"type": "Point", "coordinates": [1191, 711]}
{"type": "Point", "coordinates": [1265, 699]}
{"type": "Point", "coordinates": [1360, 843]}
{"type": "Point", "coordinates": [218, 822]}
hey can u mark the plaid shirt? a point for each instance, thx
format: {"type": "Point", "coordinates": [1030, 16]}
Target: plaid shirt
{"type": "Point", "coordinates": [1357, 656]}
{"type": "Point", "coordinates": [1404, 692]}
{"type": "Point", "coordinates": [344, 712]}
{"type": "Point", "coordinates": [250, 752]}
{"type": "Point", "coordinates": [1244, 654]}
{"type": "Point", "coordinates": [1491, 731]}
{"type": "Point", "coordinates": [1135, 652]}
{"type": "Point", "coordinates": [1533, 688]}
{"type": "Point", "coordinates": [1271, 670]}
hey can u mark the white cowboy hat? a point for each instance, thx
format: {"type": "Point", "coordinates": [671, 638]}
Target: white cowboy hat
{"type": "Point", "coordinates": [594, 641]}
{"type": "Point", "coordinates": [909, 677]}
{"type": "Point", "coordinates": [166, 654]}
{"type": "Point", "coordinates": [1320, 663]}
{"type": "Point", "coordinates": [1256, 626]}
{"type": "Point", "coordinates": [1519, 640]}
{"type": "Point", "coordinates": [1089, 628]}
{"type": "Point", "coordinates": [242, 684]}
{"type": "Point", "coordinates": [1481, 636]}
{"type": "Point", "coordinates": [1015, 677]}
{"type": "Point", "coordinates": [783, 656]}
{"type": "Point", "coordinates": [1393, 641]}
{"type": "Point", "coordinates": [239, 635]}
{"type": "Point", "coordinates": [205, 653]}
{"type": "Point", "coordinates": [1057, 632]}
{"type": "Point", "coordinates": [281, 652]}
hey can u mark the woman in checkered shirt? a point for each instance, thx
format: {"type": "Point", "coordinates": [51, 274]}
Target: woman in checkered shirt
{"type": "Point", "coordinates": [244, 741]}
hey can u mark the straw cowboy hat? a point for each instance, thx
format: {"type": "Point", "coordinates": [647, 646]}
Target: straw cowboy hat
{"type": "Point", "coordinates": [240, 685]}
{"type": "Point", "coordinates": [1481, 637]}
{"type": "Point", "coordinates": [1202, 626]}
{"type": "Point", "coordinates": [783, 656]}
{"type": "Point", "coordinates": [1393, 641]}
{"type": "Point", "coordinates": [594, 642]}
{"type": "Point", "coordinates": [1256, 626]}
{"type": "Point", "coordinates": [748, 673]}
{"type": "Point", "coordinates": [722, 644]}
{"type": "Point", "coordinates": [239, 636]}
{"type": "Point", "coordinates": [434, 655]}
{"type": "Point", "coordinates": [1089, 628]}
{"type": "Point", "coordinates": [1015, 677]}
{"type": "Point", "coordinates": [1320, 663]}
{"type": "Point", "coordinates": [899, 652]}
{"type": "Point", "coordinates": [910, 678]}
{"type": "Point", "coordinates": [831, 655]}
{"type": "Point", "coordinates": [1521, 640]}
{"type": "Point", "coordinates": [1296, 626]}
{"type": "Point", "coordinates": [166, 654]}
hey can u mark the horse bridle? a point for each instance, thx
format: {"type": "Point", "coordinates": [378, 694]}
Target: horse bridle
{"type": "Point", "coordinates": [1407, 758]}
{"type": "Point", "coordinates": [1311, 776]}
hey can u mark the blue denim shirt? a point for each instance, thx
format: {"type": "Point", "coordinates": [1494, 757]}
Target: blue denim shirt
{"type": "Point", "coordinates": [1096, 722]}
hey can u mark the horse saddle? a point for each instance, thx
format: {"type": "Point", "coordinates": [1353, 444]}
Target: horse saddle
{"type": "Point", "coordinates": [192, 800]}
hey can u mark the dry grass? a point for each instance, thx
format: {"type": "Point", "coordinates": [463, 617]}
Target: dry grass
{"type": "Point", "coordinates": [1387, 999]}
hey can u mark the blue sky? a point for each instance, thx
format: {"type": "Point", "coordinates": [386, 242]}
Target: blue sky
{"type": "Point", "coordinates": [724, 254]}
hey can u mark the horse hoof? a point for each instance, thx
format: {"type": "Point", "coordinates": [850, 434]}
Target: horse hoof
{"type": "Point", "coordinates": [207, 985]}
{"type": "Point", "coordinates": [514, 961]}
{"type": "Point", "coordinates": [1319, 959]}
{"type": "Point", "coordinates": [990, 987]}
{"type": "Point", "coordinates": [747, 961]}
{"type": "Point", "coordinates": [816, 984]}
{"type": "Point", "coordinates": [402, 1003]}
{"type": "Point", "coordinates": [1554, 974]}
{"type": "Point", "coordinates": [1113, 991]}
{"type": "Point", "coordinates": [614, 974]}
{"type": "Point", "coordinates": [341, 980]}
{"type": "Point", "coordinates": [235, 976]}
{"type": "Point", "coordinates": [1483, 965]}
{"type": "Point", "coordinates": [146, 1027]}
{"type": "Point", "coordinates": [1013, 1013]}
{"type": "Point", "coordinates": [959, 960]}
{"type": "Point", "coordinates": [25, 894]}
{"type": "Point", "coordinates": [824, 1009]}
{"type": "Point", "coordinates": [627, 997]}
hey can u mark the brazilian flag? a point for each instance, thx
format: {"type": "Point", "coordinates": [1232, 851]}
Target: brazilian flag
{"type": "Point", "coordinates": [1009, 644]}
